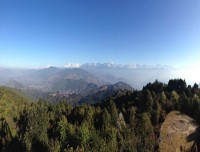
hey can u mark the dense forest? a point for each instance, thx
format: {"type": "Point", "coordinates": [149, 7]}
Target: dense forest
{"type": "Point", "coordinates": [129, 121]}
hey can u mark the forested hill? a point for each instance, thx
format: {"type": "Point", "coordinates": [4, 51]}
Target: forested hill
{"type": "Point", "coordinates": [130, 121]}
{"type": "Point", "coordinates": [12, 103]}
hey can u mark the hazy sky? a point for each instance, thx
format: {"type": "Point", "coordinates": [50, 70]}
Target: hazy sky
{"type": "Point", "coordinates": [41, 32]}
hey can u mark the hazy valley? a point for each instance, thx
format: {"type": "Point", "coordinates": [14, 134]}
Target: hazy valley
{"type": "Point", "coordinates": [70, 109]}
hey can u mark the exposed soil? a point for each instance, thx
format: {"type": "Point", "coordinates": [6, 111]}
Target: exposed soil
{"type": "Point", "coordinates": [177, 133]}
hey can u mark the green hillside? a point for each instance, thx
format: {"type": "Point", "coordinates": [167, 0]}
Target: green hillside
{"type": "Point", "coordinates": [12, 102]}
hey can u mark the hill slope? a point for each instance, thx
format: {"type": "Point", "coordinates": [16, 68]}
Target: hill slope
{"type": "Point", "coordinates": [104, 92]}
{"type": "Point", "coordinates": [178, 132]}
{"type": "Point", "coordinates": [12, 102]}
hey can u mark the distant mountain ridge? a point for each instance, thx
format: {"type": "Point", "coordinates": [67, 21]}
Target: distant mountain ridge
{"type": "Point", "coordinates": [52, 79]}
{"type": "Point", "coordinates": [127, 66]}
{"type": "Point", "coordinates": [72, 81]}
{"type": "Point", "coordinates": [137, 75]}
{"type": "Point", "coordinates": [14, 84]}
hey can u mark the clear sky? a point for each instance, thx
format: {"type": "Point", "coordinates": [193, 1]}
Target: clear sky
{"type": "Point", "coordinates": [41, 32]}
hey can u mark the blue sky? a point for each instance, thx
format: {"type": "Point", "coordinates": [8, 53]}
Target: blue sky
{"type": "Point", "coordinates": [40, 32]}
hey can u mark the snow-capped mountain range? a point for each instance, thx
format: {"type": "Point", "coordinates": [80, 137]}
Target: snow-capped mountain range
{"type": "Point", "coordinates": [114, 65]}
{"type": "Point", "coordinates": [127, 66]}
{"type": "Point", "coordinates": [137, 75]}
